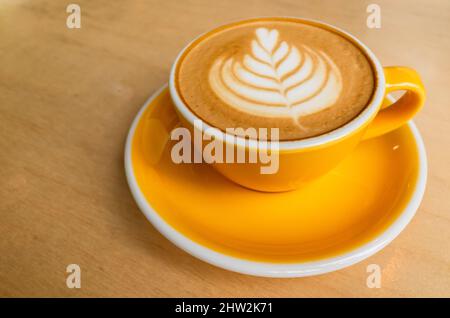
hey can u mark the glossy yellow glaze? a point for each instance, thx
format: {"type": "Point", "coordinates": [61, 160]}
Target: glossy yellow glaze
{"type": "Point", "coordinates": [298, 167]}
{"type": "Point", "coordinates": [331, 215]}
{"type": "Point", "coordinates": [392, 116]}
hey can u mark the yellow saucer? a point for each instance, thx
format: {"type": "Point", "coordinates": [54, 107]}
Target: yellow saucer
{"type": "Point", "coordinates": [333, 222]}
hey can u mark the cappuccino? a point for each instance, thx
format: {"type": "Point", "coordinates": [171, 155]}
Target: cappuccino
{"type": "Point", "coordinates": [301, 78]}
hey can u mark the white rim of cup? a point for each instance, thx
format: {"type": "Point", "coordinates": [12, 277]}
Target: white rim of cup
{"type": "Point", "coordinates": [337, 134]}
{"type": "Point", "coordinates": [267, 269]}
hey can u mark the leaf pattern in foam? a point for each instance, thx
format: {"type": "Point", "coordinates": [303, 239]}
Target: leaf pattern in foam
{"type": "Point", "coordinates": [276, 79]}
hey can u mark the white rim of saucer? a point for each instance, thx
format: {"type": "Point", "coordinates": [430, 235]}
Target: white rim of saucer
{"type": "Point", "coordinates": [266, 269]}
{"type": "Point", "coordinates": [289, 145]}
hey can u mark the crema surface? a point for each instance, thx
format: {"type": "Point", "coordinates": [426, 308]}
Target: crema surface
{"type": "Point", "coordinates": [303, 79]}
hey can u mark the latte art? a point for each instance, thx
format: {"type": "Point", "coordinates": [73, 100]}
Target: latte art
{"type": "Point", "coordinates": [297, 76]}
{"type": "Point", "coordinates": [277, 79]}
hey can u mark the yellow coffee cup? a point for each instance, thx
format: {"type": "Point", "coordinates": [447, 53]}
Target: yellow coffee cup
{"type": "Point", "coordinates": [300, 161]}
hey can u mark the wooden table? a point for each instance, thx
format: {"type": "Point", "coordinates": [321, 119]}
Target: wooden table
{"type": "Point", "coordinates": [67, 99]}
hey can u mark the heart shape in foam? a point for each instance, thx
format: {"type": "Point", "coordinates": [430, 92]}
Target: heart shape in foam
{"type": "Point", "coordinates": [268, 39]}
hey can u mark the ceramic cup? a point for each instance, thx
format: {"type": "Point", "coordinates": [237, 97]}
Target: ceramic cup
{"type": "Point", "coordinates": [300, 161]}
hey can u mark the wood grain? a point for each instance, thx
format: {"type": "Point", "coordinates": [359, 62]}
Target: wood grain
{"type": "Point", "coordinates": [68, 96]}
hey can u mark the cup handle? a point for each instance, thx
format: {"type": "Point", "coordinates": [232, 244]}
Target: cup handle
{"type": "Point", "coordinates": [393, 115]}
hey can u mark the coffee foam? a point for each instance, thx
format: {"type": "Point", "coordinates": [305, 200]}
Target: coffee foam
{"type": "Point", "coordinates": [264, 75]}
{"type": "Point", "coordinates": [276, 79]}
